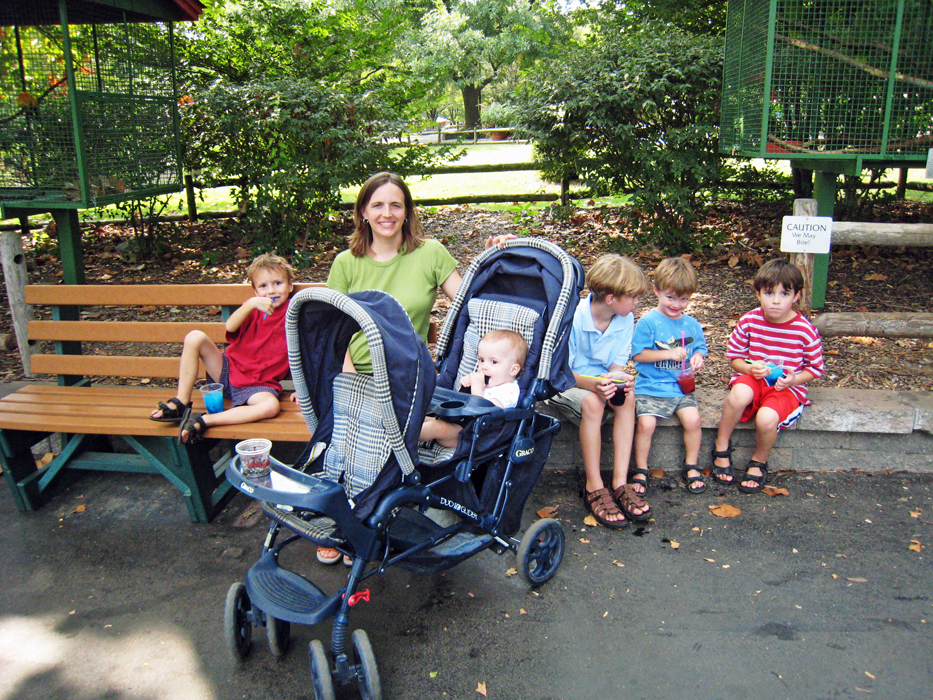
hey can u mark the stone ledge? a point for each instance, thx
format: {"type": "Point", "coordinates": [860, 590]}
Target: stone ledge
{"type": "Point", "coordinates": [867, 429]}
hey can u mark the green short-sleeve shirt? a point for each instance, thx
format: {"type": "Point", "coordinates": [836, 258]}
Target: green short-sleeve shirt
{"type": "Point", "coordinates": [413, 279]}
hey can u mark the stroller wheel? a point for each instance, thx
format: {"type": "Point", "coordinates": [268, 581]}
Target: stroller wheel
{"type": "Point", "coordinates": [540, 552]}
{"type": "Point", "coordinates": [367, 673]}
{"type": "Point", "coordinates": [320, 672]}
{"type": "Point", "coordinates": [278, 633]}
{"type": "Point", "coordinates": [238, 628]}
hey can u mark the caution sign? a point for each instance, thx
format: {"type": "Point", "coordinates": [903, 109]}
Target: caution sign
{"type": "Point", "coordinates": [806, 234]}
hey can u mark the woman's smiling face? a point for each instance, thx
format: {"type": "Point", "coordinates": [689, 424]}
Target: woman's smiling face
{"type": "Point", "coordinates": [385, 211]}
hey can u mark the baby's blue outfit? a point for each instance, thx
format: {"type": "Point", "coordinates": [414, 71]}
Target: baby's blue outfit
{"type": "Point", "coordinates": [592, 351]}
{"type": "Point", "coordinates": [660, 378]}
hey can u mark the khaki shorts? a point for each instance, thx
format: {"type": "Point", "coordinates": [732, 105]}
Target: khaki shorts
{"type": "Point", "coordinates": [570, 405]}
{"type": "Point", "coordinates": [663, 406]}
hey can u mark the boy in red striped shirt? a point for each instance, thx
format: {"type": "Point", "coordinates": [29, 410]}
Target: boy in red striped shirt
{"type": "Point", "coordinates": [775, 351]}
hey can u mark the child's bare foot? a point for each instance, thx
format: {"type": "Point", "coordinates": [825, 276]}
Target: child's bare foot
{"type": "Point", "coordinates": [723, 472]}
{"type": "Point", "coordinates": [638, 478]}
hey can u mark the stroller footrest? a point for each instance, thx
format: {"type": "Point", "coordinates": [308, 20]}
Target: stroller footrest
{"type": "Point", "coordinates": [319, 529]}
{"type": "Point", "coordinates": [286, 595]}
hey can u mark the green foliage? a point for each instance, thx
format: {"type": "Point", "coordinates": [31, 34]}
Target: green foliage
{"type": "Point", "coordinates": [143, 217]}
{"type": "Point", "coordinates": [473, 44]}
{"type": "Point", "coordinates": [500, 114]}
{"type": "Point", "coordinates": [633, 112]}
{"type": "Point", "coordinates": [758, 181]}
{"type": "Point", "coordinates": [293, 144]}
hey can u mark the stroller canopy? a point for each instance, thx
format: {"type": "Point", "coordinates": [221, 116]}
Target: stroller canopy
{"type": "Point", "coordinates": [319, 325]}
{"type": "Point", "coordinates": [530, 282]}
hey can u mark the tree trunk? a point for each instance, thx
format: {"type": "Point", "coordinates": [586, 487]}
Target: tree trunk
{"type": "Point", "coordinates": [471, 99]}
{"type": "Point", "coordinates": [803, 182]}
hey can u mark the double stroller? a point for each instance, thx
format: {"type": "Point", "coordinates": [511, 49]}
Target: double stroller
{"type": "Point", "coordinates": [365, 486]}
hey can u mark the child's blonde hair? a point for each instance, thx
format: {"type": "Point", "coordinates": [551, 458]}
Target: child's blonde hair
{"type": "Point", "coordinates": [676, 275]}
{"type": "Point", "coordinates": [515, 340]}
{"type": "Point", "coordinates": [270, 261]}
{"type": "Point", "coordinates": [616, 275]}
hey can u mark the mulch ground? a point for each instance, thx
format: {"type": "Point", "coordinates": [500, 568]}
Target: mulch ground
{"type": "Point", "coordinates": [860, 278]}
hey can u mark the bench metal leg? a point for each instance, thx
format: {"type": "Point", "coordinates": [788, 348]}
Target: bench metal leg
{"type": "Point", "coordinates": [189, 468]}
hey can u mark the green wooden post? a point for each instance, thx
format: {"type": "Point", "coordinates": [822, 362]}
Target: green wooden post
{"type": "Point", "coordinates": [824, 191]}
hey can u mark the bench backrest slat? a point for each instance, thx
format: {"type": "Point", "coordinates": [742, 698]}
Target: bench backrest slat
{"type": "Point", "coordinates": [144, 295]}
{"type": "Point", "coordinates": [123, 331]}
{"type": "Point", "coordinates": [107, 366]}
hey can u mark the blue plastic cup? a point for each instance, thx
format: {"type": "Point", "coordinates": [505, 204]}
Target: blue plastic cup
{"type": "Point", "coordinates": [777, 370]}
{"type": "Point", "coordinates": [213, 397]}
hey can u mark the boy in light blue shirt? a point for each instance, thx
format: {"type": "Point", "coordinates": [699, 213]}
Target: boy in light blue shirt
{"type": "Point", "coordinates": [665, 342]}
{"type": "Point", "coordinates": [600, 345]}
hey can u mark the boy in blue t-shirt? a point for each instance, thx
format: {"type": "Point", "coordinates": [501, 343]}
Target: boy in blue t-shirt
{"type": "Point", "coordinates": [665, 341]}
{"type": "Point", "coordinates": [600, 345]}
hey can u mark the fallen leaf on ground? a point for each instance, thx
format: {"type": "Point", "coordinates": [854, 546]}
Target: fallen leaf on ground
{"type": "Point", "coordinates": [511, 572]}
{"type": "Point", "coordinates": [44, 460]}
{"type": "Point", "coordinates": [547, 512]}
{"type": "Point", "coordinates": [724, 511]}
{"type": "Point", "coordinates": [711, 561]}
{"type": "Point", "coordinates": [774, 491]}
{"type": "Point", "coordinates": [915, 514]}
{"type": "Point", "coordinates": [433, 674]}
{"type": "Point", "coordinates": [675, 545]}
{"type": "Point", "coordinates": [590, 521]}
{"type": "Point", "coordinates": [481, 688]}
{"type": "Point", "coordinates": [914, 546]}
{"type": "Point", "coordinates": [80, 509]}
{"type": "Point", "coordinates": [876, 277]}
{"type": "Point", "coordinates": [584, 540]}
{"type": "Point", "coordinates": [657, 473]}
{"type": "Point", "coordinates": [869, 675]}
{"type": "Point", "coordinates": [522, 611]}
{"type": "Point", "coordinates": [862, 340]}
{"type": "Point", "coordinates": [857, 580]}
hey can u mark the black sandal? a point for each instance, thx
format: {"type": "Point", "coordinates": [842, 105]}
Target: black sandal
{"type": "Point", "coordinates": [719, 472]}
{"type": "Point", "coordinates": [633, 478]}
{"type": "Point", "coordinates": [690, 480]}
{"type": "Point", "coordinates": [760, 481]}
{"type": "Point", "coordinates": [173, 411]}
{"type": "Point", "coordinates": [195, 426]}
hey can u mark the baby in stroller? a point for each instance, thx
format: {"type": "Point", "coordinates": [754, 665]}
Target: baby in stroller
{"type": "Point", "coordinates": [501, 355]}
{"type": "Point", "coordinates": [367, 492]}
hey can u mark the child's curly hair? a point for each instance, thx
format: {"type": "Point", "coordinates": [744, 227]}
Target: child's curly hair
{"type": "Point", "coordinates": [270, 261]}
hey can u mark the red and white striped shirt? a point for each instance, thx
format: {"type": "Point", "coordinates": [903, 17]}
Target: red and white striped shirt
{"type": "Point", "coordinates": [796, 342]}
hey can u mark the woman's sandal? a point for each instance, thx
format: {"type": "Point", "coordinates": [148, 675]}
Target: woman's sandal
{"type": "Point", "coordinates": [690, 480]}
{"type": "Point", "coordinates": [628, 499]}
{"type": "Point", "coordinates": [173, 411]}
{"type": "Point", "coordinates": [327, 556]}
{"type": "Point", "coordinates": [600, 504]}
{"type": "Point", "coordinates": [639, 477]}
{"type": "Point", "coordinates": [760, 481]}
{"type": "Point", "coordinates": [719, 472]}
{"type": "Point", "coordinates": [194, 425]}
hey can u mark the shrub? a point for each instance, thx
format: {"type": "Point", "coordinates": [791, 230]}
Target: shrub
{"type": "Point", "coordinates": [634, 112]}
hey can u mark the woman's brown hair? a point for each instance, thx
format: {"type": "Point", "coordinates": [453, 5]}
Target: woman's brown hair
{"type": "Point", "coordinates": [362, 237]}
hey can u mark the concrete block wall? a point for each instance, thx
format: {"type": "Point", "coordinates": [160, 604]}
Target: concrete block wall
{"type": "Point", "coordinates": [871, 430]}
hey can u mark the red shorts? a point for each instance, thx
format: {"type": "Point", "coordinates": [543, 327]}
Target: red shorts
{"type": "Point", "coordinates": [784, 403]}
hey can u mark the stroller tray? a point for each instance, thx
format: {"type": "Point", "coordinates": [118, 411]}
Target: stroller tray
{"type": "Point", "coordinates": [286, 595]}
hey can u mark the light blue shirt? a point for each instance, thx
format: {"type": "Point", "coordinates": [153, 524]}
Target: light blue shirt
{"type": "Point", "coordinates": [592, 351]}
{"type": "Point", "coordinates": [655, 331]}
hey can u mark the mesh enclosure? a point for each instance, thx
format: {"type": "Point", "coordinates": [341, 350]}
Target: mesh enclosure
{"type": "Point", "coordinates": [828, 79]}
{"type": "Point", "coordinates": [88, 111]}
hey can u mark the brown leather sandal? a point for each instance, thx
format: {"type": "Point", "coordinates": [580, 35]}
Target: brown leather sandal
{"type": "Point", "coordinates": [600, 504]}
{"type": "Point", "coordinates": [628, 499]}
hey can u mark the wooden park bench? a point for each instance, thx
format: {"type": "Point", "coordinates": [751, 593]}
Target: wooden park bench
{"type": "Point", "coordinates": [92, 416]}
